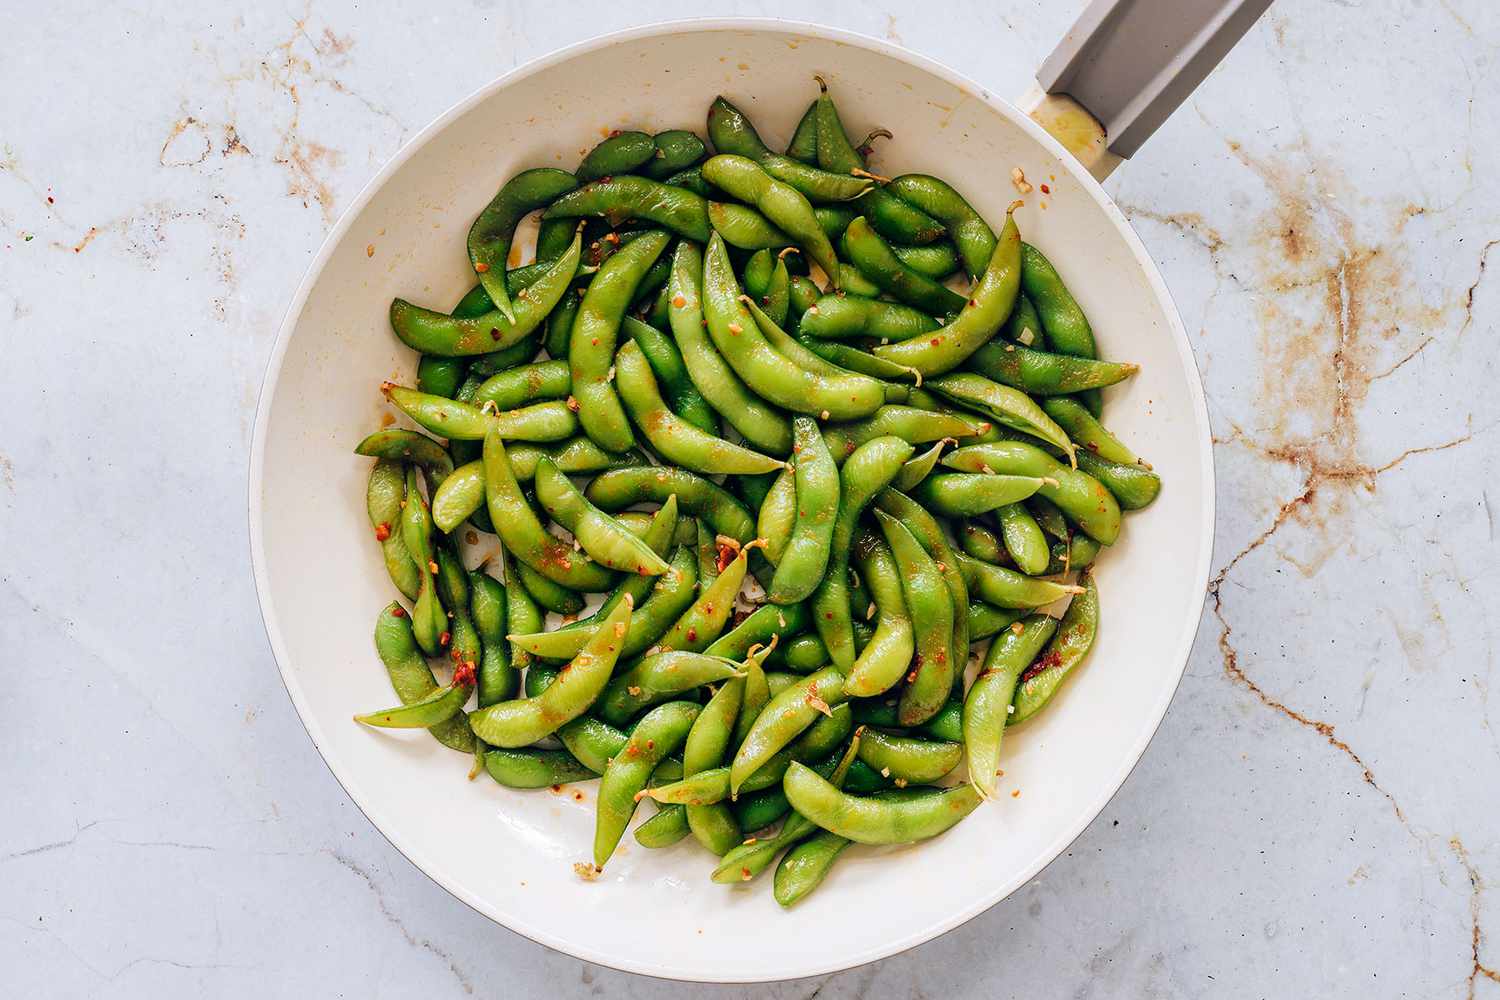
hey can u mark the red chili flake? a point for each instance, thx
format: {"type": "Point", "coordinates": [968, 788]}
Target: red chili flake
{"type": "Point", "coordinates": [577, 796]}
{"type": "Point", "coordinates": [50, 201]}
{"type": "Point", "coordinates": [382, 531]}
{"type": "Point", "coordinates": [557, 788]}
{"type": "Point", "coordinates": [481, 268]}
{"type": "Point", "coordinates": [445, 638]}
{"type": "Point", "coordinates": [398, 612]}
{"type": "Point", "coordinates": [464, 674]}
{"type": "Point", "coordinates": [692, 634]}
{"type": "Point", "coordinates": [650, 744]}
{"type": "Point", "coordinates": [494, 334]}
{"type": "Point", "coordinates": [936, 341]}
{"type": "Point", "coordinates": [1046, 189]}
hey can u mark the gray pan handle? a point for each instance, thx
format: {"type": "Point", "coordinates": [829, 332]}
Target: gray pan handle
{"type": "Point", "coordinates": [1129, 64]}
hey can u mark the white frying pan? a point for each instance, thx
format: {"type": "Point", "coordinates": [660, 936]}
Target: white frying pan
{"type": "Point", "coordinates": [319, 576]}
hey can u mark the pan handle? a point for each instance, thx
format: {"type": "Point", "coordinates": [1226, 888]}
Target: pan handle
{"type": "Point", "coordinates": [1125, 66]}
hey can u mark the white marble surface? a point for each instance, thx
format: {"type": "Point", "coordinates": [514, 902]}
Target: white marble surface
{"type": "Point", "coordinates": [1318, 815]}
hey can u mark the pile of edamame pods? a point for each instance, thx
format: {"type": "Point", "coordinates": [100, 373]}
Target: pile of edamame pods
{"type": "Point", "coordinates": [837, 430]}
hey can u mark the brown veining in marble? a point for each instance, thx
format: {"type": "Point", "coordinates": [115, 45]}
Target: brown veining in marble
{"type": "Point", "coordinates": [1476, 934]}
{"type": "Point", "coordinates": [1336, 313]}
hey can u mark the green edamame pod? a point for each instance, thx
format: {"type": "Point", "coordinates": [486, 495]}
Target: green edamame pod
{"type": "Point", "coordinates": [410, 675]}
{"type": "Point", "coordinates": [931, 608]}
{"type": "Point", "coordinates": [884, 659]}
{"type": "Point", "coordinates": [806, 865]}
{"type": "Point", "coordinates": [946, 726]}
{"type": "Point", "coordinates": [457, 420]}
{"type": "Point", "coordinates": [989, 303]}
{"type": "Point", "coordinates": [658, 678]}
{"type": "Point", "coordinates": [676, 150]}
{"type": "Point", "coordinates": [621, 153]}
{"type": "Point", "coordinates": [703, 622]}
{"type": "Point", "coordinates": [804, 145]}
{"type": "Point", "coordinates": [384, 496]}
{"type": "Point", "coordinates": [783, 719]}
{"type": "Point", "coordinates": [906, 758]}
{"type": "Point", "coordinates": [591, 348]}
{"type": "Point", "coordinates": [771, 374]}
{"type": "Point", "coordinates": [875, 260]}
{"type": "Point", "coordinates": [438, 707]}
{"type": "Point", "coordinates": [815, 487]}
{"type": "Point", "coordinates": [986, 620]}
{"type": "Point", "coordinates": [920, 467]}
{"type": "Point", "coordinates": [973, 236]}
{"type": "Point", "coordinates": [490, 236]}
{"type": "Point", "coordinates": [520, 722]}
{"type": "Point", "coordinates": [692, 180]}
{"type": "Point", "coordinates": [497, 680]}
{"type": "Point", "coordinates": [917, 815]}
{"type": "Point", "coordinates": [1074, 638]}
{"type": "Point", "coordinates": [845, 316]}
{"type": "Point", "coordinates": [666, 828]}
{"type": "Point", "coordinates": [532, 768]}
{"type": "Point", "coordinates": [777, 517]}
{"type": "Point", "coordinates": [547, 593]}
{"type": "Point", "coordinates": [522, 533]}
{"type": "Point", "coordinates": [441, 376]}
{"type": "Point", "coordinates": [988, 703]}
{"type": "Point", "coordinates": [1087, 432]}
{"type": "Point", "coordinates": [672, 437]}
{"type": "Point", "coordinates": [617, 199]}
{"type": "Point", "coordinates": [1005, 588]}
{"type": "Point", "coordinates": [747, 860]}
{"type": "Point", "coordinates": [924, 526]}
{"type": "Point", "coordinates": [1068, 329]}
{"type": "Point", "coordinates": [1134, 486]}
{"type": "Point", "coordinates": [867, 471]}
{"type": "Point", "coordinates": [656, 736]}
{"type": "Point", "coordinates": [1024, 326]}
{"type": "Point", "coordinates": [766, 624]}
{"type": "Point", "coordinates": [761, 425]}
{"type": "Point", "coordinates": [1049, 517]}
{"type": "Point", "coordinates": [1073, 554]}
{"type": "Point", "coordinates": [409, 446]}
{"type": "Point", "coordinates": [963, 494]}
{"type": "Point", "coordinates": [429, 620]}
{"type": "Point", "coordinates": [936, 260]}
{"type": "Point", "coordinates": [617, 489]}
{"type": "Point", "coordinates": [1007, 406]}
{"type": "Point", "coordinates": [714, 826]}
{"type": "Point", "coordinates": [514, 388]}
{"type": "Point", "coordinates": [979, 541]}
{"type": "Point", "coordinates": [560, 327]}
{"type": "Point", "coordinates": [451, 336]}
{"type": "Point", "coordinates": [744, 228]}
{"type": "Point", "coordinates": [783, 204]}
{"type": "Point", "coordinates": [1044, 374]}
{"type": "Point", "coordinates": [1079, 495]}
{"type": "Point", "coordinates": [601, 536]}
{"type": "Point", "coordinates": [667, 365]}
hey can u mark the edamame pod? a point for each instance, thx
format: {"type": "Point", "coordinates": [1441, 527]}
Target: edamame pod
{"type": "Point", "coordinates": [1080, 496]}
{"type": "Point", "coordinates": [868, 470]}
{"type": "Point", "coordinates": [490, 235]}
{"type": "Point", "coordinates": [673, 438]}
{"type": "Point", "coordinates": [760, 424]}
{"type": "Point", "coordinates": [520, 722]}
{"type": "Point", "coordinates": [452, 336]}
{"type": "Point", "coordinates": [656, 736]}
{"type": "Point", "coordinates": [876, 821]}
{"type": "Point", "coordinates": [522, 533]}
{"type": "Point", "coordinates": [931, 608]}
{"type": "Point", "coordinates": [617, 199]}
{"type": "Point", "coordinates": [591, 347]}
{"type": "Point", "coordinates": [617, 489]}
{"type": "Point", "coordinates": [989, 700]}
{"type": "Point", "coordinates": [1074, 638]}
{"type": "Point", "coordinates": [815, 483]}
{"type": "Point", "coordinates": [989, 303]}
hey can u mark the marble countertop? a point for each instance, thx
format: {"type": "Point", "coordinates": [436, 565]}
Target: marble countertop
{"type": "Point", "coordinates": [1318, 814]}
